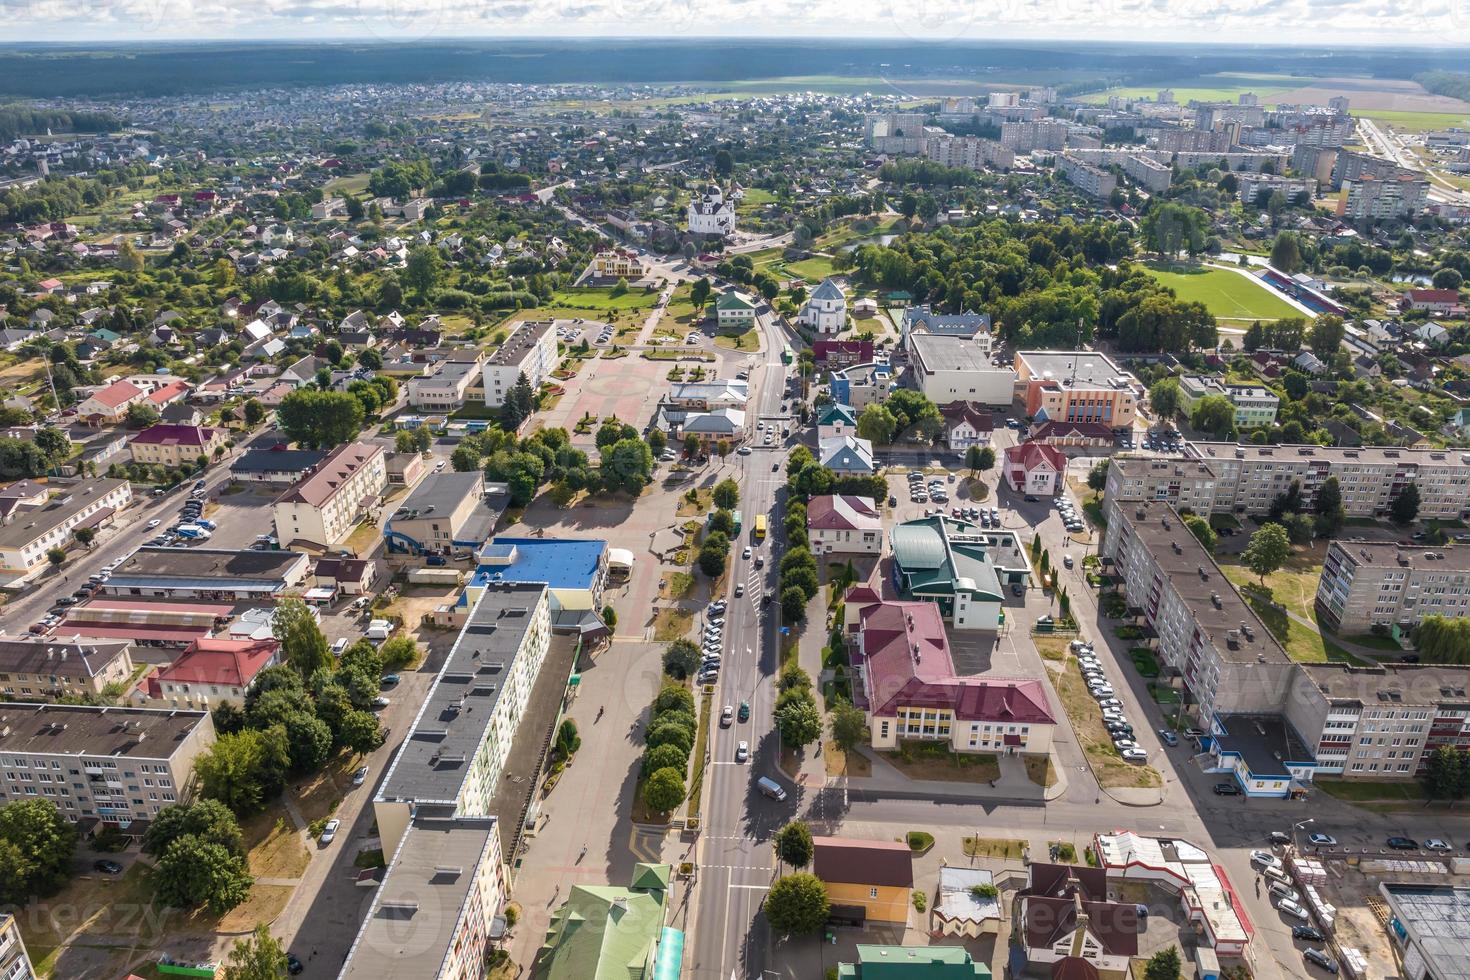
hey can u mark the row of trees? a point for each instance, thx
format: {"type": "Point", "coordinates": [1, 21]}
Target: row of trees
{"type": "Point", "coordinates": [670, 739]}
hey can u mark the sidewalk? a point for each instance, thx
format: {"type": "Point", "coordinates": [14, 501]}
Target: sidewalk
{"type": "Point", "coordinates": [1013, 785]}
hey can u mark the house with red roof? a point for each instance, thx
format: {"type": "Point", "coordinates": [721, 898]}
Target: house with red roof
{"type": "Point", "coordinates": [50, 286]}
{"type": "Point", "coordinates": [912, 690]}
{"type": "Point", "coordinates": [844, 523]}
{"type": "Point", "coordinates": [1070, 926]}
{"type": "Point", "coordinates": [210, 670]}
{"type": "Point", "coordinates": [166, 394]}
{"type": "Point", "coordinates": [176, 445]}
{"type": "Point", "coordinates": [966, 424]}
{"type": "Point", "coordinates": [1035, 468]}
{"type": "Point", "coordinates": [833, 355]}
{"type": "Point", "coordinates": [1443, 301]}
{"type": "Point", "coordinates": [109, 405]}
{"type": "Point", "coordinates": [1092, 435]}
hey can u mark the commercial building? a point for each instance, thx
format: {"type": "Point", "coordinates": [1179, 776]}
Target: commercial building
{"type": "Point", "coordinates": [325, 505]}
{"type": "Point", "coordinates": [1077, 386]}
{"type": "Point", "coordinates": [1224, 657]}
{"type": "Point", "coordinates": [966, 424]}
{"type": "Point", "coordinates": [1255, 405]}
{"type": "Point", "coordinates": [846, 454]}
{"type": "Point", "coordinates": [530, 350]}
{"type": "Point", "coordinates": [48, 669]}
{"type": "Point", "coordinates": [207, 573]}
{"type": "Point", "coordinates": [445, 513]}
{"type": "Point", "coordinates": [175, 445]}
{"type": "Point", "coordinates": [113, 765]}
{"type": "Point", "coordinates": [950, 368]}
{"type": "Point", "coordinates": [451, 761]}
{"type": "Point", "coordinates": [147, 623]}
{"type": "Point", "coordinates": [705, 396]}
{"type": "Point", "coordinates": [275, 464]}
{"type": "Point", "coordinates": [1210, 902]}
{"type": "Point", "coordinates": [616, 263]}
{"type": "Point", "coordinates": [910, 686]}
{"type": "Point", "coordinates": [210, 670]}
{"type": "Point", "coordinates": [923, 319]}
{"type": "Point", "coordinates": [1090, 180]}
{"type": "Point", "coordinates": [734, 312]}
{"type": "Point", "coordinates": [1249, 477]}
{"type": "Point", "coordinates": [844, 524]}
{"type": "Point", "coordinates": [866, 880]}
{"type": "Point", "coordinates": [1035, 469]}
{"type": "Point", "coordinates": [912, 963]}
{"type": "Point", "coordinates": [1397, 198]}
{"type": "Point", "coordinates": [1430, 927]}
{"type": "Point", "coordinates": [861, 385]}
{"type": "Point", "coordinates": [446, 390]}
{"type": "Point", "coordinates": [958, 566]}
{"type": "Point", "coordinates": [28, 533]}
{"type": "Point", "coordinates": [445, 886]}
{"type": "Point", "coordinates": [610, 932]}
{"type": "Point", "coordinates": [15, 964]}
{"type": "Point", "coordinates": [1368, 584]}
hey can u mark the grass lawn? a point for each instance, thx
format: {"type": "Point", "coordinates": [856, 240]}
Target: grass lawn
{"type": "Point", "coordinates": [354, 184]}
{"type": "Point", "coordinates": [1040, 770]}
{"type": "Point", "coordinates": [1295, 587]}
{"type": "Point", "coordinates": [814, 269]}
{"type": "Point", "coordinates": [1413, 122]}
{"type": "Point", "coordinates": [670, 624]}
{"type": "Point", "coordinates": [703, 500]}
{"type": "Point", "coordinates": [679, 584]}
{"type": "Point", "coordinates": [840, 763]}
{"type": "Point", "coordinates": [1086, 719]}
{"type": "Point", "coordinates": [1051, 648]}
{"type": "Point", "coordinates": [749, 340]}
{"type": "Point", "coordinates": [1406, 793]}
{"type": "Point", "coordinates": [1144, 661]}
{"type": "Point", "coordinates": [1228, 295]}
{"type": "Point", "coordinates": [700, 753]}
{"type": "Point", "coordinates": [276, 850]}
{"type": "Point", "coordinates": [755, 199]}
{"type": "Point", "coordinates": [932, 760]}
{"type": "Point", "coordinates": [998, 848]}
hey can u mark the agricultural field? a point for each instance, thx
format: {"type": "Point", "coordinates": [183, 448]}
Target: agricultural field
{"type": "Point", "coordinates": [1222, 87]}
{"type": "Point", "coordinates": [1228, 295]}
{"type": "Point", "coordinates": [1414, 122]}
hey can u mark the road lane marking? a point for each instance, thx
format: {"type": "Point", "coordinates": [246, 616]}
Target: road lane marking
{"type": "Point", "coordinates": [764, 888]}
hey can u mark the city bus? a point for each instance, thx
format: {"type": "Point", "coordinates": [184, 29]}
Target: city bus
{"type": "Point", "coordinates": [736, 516]}
{"type": "Point", "coordinates": [786, 355]}
{"type": "Point", "coordinates": [760, 527]}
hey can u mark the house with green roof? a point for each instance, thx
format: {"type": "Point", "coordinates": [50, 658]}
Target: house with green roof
{"type": "Point", "coordinates": [960, 567]}
{"type": "Point", "coordinates": [607, 932]}
{"type": "Point", "coordinates": [913, 963]}
{"type": "Point", "coordinates": [734, 312]}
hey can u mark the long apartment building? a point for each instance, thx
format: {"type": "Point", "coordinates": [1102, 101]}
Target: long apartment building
{"type": "Point", "coordinates": [1090, 180]}
{"type": "Point", "coordinates": [28, 533]}
{"type": "Point", "coordinates": [324, 505]}
{"type": "Point", "coordinates": [114, 765]}
{"type": "Point", "coordinates": [530, 350]}
{"type": "Point", "coordinates": [1148, 169]}
{"type": "Point", "coordinates": [47, 669]}
{"type": "Point", "coordinates": [1248, 477]}
{"type": "Point", "coordinates": [969, 152]}
{"type": "Point", "coordinates": [15, 964]}
{"type": "Point", "coordinates": [1256, 189]}
{"type": "Point", "coordinates": [1397, 197]}
{"type": "Point", "coordinates": [1039, 134]}
{"type": "Point", "coordinates": [1368, 584]}
{"type": "Point", "coordinates": [1228, 660]}
{"type": "Point", "coordinates": [1184, 484]}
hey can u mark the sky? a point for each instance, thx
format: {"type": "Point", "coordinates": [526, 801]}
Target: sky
{"type": "Point", "coordinates": [1287, 22]}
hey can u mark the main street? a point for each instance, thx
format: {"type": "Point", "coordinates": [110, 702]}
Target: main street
{"type": "Point", "coordinates": [733, 858]}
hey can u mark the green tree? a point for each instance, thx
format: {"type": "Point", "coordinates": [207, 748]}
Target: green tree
{"type": "Point", "coordinates": [1331, 514]}
{"type": "Point", "coordinates": [141, 415]}
{"type": "Point", "coordinates": [243, 770]}
{"type": "Point", "coordinates": [699, 293]}
{"type": "Point", "coordinates": [797, 904]}
{"type": "Point", "coordinates": [877, 424]}
{"type": "Point", "coordinates": [194, 873]}
{"type": "Point", "coordinates": [673, 697]}
{"type": "Point", "coordinates": [1163, 965]}
{"type": "Point", "coordinates": [1405, 507]}
{"type": "Point", "coordinates": [209, 820]}
{"type": "Point", "coordinates": [793, 604]}
{"type": "Point", "coordinates": [972, 459]}
{"type": "Point", "coordinates": [520, 403]}
{"type": "Point", "coordinates": [85, 536]}
{"type": "Point", "coordinates": [1097, 481]}
{"type": "Point", "coordinates": [1447, 278]}
{"type": "Point", "coordinates": [670, 733]}
{"type": "Point", "coordinates": [712, 553]}
{"type": "Point", "coordinates": [664, 790]}
{"type": "Point", "coordinates": [1286, 255]}
{"type": "Point", "coordinates": [360, 732]}
{"type": "Point", "coordinates": [36, 848]}
{"type": "Point", "coordinates": [302, 644]}
{"type": "Point", "coordinates": [1164, 398]}
{"type": "Point", "coordinates": [681, 658]}
{"type": "Point", "coordinates": [320, 419]}
{"type": "Point", "coordinates": [309, 740]}
{"type": "Point", "coordinates": [794, 845]}
{"type": "Point", "coordinates": [1441, 640]}
{"type": "Point", "coordinates": [398, 652]}
{"type": "Point", "coordinates": [627, 465]}
{"type": "Point", "coordinates": [258, 956]}
{"type": "Point", "coordinates": [1214, 414]}
{"type": "Point", "coordinates": [666, 756]}
{"type": "Point", "coordinates": [724, 163]}
{"type": "Point", "coordinates": [848, 725]}
{"type": "Point", "coordinates": [1447, 774]}
{"type": "Point", "coordinates": [799, 722]}
{"type": "Point", "coordinates": [987, 460]}
{"type": "Point", "coordinates": [404, 442]}
{"type": "Point", "coordinates": [254, 411]}
{"type": "Point", "coordinates": [1268, 550]}
{"type": "Point", "coordinates": [726, 494]}
{"type": "Point", "coordinates": [657, 441]}
{"type": "Point", "coordinates": [1325, 335]}
{"type": "Point", "coordinates": [1201, 529]}
{"type": "Point", "coordinates": [56, 556]}
{"type": "Point", "coordinates": [423, 270]}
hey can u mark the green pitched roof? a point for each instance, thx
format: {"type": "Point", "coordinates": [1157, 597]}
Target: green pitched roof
{"type": "Point", "coordinates": [934, 564]}
{"type": "Point", "coordinates": [913, 963]}
{"type": "Point", "coordinates": [605, 932]}
{"type": "Point", "coordinates": [731, 300]}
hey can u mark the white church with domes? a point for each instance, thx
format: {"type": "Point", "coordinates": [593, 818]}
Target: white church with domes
{"type": "Point", "coordinates": [711, 214]}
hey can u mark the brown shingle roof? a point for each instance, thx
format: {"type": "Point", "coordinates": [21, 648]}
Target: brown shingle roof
{"type": "Point", "coordinates": [843, 860]}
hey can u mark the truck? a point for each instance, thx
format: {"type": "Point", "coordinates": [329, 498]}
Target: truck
{"type": "Point", "coordinates": [193, 532]}
{"type": "Point", "coordinates": [206, 524]}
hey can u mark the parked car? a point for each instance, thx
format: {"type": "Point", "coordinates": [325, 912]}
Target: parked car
{"type": "Point", "coordinates": [1402, 843]}
{"type": "Point", "coordinates": [360, 776]}
{"type": "Point", "coordinates": [1320, 958]}
{"type": "Point", "coordinates": [1278, 838]}
{"type": "Point", "coordinates": [329, 832]}
{"type": "Point", "coordinates": [107, 867]}
{"type": "Point", "coordinates": [1168, 737]}
{"type": "Point", "coordinates": [1227, 789]}
{"type": "Point", "coordinates": [1435, 844]}
{"type": "Point", "coordinates": [388, 680]}
{"type": "Point", "coordinates": [1293, 909]}
{"type": "Point", "coordinates": [1134, 755]}
{"type": "Point", "coordinates": [1265, 859]}
{"type": "Point", "coordinates": [1322, 840]}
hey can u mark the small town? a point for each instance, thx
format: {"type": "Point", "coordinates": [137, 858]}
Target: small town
{"type": "Point", "coordinates": [1004, 519]}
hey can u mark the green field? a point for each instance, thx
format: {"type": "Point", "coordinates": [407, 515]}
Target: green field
{"type": "Point", "coordinates": [1228, 295]}
{"type": "Point", "coordinates": [1413, 122]}
{"type": "Point", "coordinates": [1224, 87]}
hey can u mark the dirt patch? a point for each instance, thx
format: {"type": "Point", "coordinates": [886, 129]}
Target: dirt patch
{"type": "Point", "coordinates": [1040, 770]}
{"type": "Point", "coordinates": [275, 848]}
{"type": "Point", "coordinates": [840, 763]}
{"type": "Point", "coordinates": [1086, 717]}
{"type": "Point", "coordinates": [318, 797]}
{"type": "Point", "coordinates": [264, 903]}
{"type": "Point", "coordinates": [1051, 648]}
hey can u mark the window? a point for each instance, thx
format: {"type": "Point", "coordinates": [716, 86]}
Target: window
{"type": "Point", "coordinates": [872, 893]}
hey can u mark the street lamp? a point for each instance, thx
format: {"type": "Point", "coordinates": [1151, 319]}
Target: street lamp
{"type": "Point", "coordinates": [1298, 826]}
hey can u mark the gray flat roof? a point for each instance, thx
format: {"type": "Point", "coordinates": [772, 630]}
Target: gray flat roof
{"type": "Point", "coordinates": [1437, 918]}
{"type": "Point", "coordinates": [1392, 684]}
{"type": "Point", "coordinates": [434, 760]}
{"type": "Point", "coordinates": [203, 564]}
{"type": "Point", "coordinates": [1290, 453]}
{"type": "Point", "coordinates": [416, 912]}
{"type": "Point", "coordinates": [441, 491]}
{"type": "Point", "coordinates": [937, 352]}
{"type": "Point", "coordinates": [27, 525]}
{"type": "Point", "coordinates": [64, 658]}
{"type": "Point", "coordinates": [1087, 366]}
{"type": "Point", "coordinates": [1387, 553]}
{"type": "Point", "coordinates": [1265, 742]}
{"type": "Point", "coordinates": [525, 336]}
{"type": "Point", "coordinates": [1139, 467]}
{"type": "Point", "coordinates": [67, 729]}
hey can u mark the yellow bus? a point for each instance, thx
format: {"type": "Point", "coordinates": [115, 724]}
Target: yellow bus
{"type": "Point", "coordinates": [760, 527]}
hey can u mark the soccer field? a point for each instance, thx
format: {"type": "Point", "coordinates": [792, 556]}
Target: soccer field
{"type": "Point", "coordinates": [1228, 295]}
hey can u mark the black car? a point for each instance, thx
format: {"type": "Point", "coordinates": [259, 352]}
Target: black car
{"type": "Point", "coordinates": [1279, 838]}
{"type": "Point", "coordinates": [1402, 843]}
{"type": "Point", "coordinates": [107, 867]}
{"type": "Point", "coordinates": [1227, 789]}
{"type": "Point", "coordinates": [1032, 498]}
{"type": "Point", "coordinates": [1306, 932]}
{"type": "Point", "coordinates": [1320, 958]}
{"type": "Point", "coordinates": [1017, 589]}
{"type": "Point", "coordinates": [293, 964]}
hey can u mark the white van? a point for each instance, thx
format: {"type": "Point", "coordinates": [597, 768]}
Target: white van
{"type": "Point", "coordinates": [771, 788]}
{"type": "Point", "coordinates": [339, 646]}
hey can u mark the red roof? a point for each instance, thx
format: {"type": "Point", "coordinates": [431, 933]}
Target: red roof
{"type": "Point", "coordinates": [845, 860]}
{"type": "Point", "coordinates": [956, 412]}
{"type": "Point", "coordinates": [1072, 430]}
{"type": "Point", "coordinates": [862, 350]}
{"type": "Point", "coordinates": [908, 664]}
{"type": "Point", "coordinates": [320, 485]}
{"type": "Point", "coordinates": [1030, 456]}
{"type": "Point", "coordinates": [1418, 295]}
{"type": "Point", "coordinates": [117, 394]}
{"type": "Point", "coordinates": [840, 512]}
{"type": "Point", "coordinates": [176, 435]}
{"type": "Point", "coordinates": [210, 660]}
{"type": "Point", "coordinates": [50, 284]}
{"type": "Point", "coordinates": [172, 391]}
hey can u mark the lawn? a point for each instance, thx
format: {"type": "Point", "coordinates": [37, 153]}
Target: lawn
{"type": "Point", "coordinates": [1413, 122]}
{"type": "Point", "coordinates": [276, 850]}
{"type": "Point", "coordinates": [1228, 295]}
{"type": "Point", "coordinates": [1295, 587]}
{"type": "Point", "coordinates": [840, 763]}
{"type": "Point", "coordinates": [1385, 795]}
{"type": "Point", "coordinates": [755, 199]}
{"type": "Point", "coordinates": [814, 269]}
{"type": "Point", "coordinates": [700, 756]}
{"type": "Point", "coordinates": [999, 848]}
{"type": "Point", "coordinates": [932, 760]}
{"type": "Point", "coordinates": [1221, 87]}
{"type": "Point", "coordinates": [670, 624]}
{"type": "Point", "coordinates": [749, 340]}
{"type": "Point", "coordinates": [1086, 718]}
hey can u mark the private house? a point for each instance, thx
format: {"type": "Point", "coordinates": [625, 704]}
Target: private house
{"type": "Point", "coordinates": [1035, 468]}
{"type": "Point", "coordinates": [966, 424]}
{"type": "Point", "coordinates": [48, 669]}
{"type": "Point", "coordinates": [348, 576]}
{"type": "Point", "coordinates": [825, 310]}
{"type": "Point", "coordinates": [912, 963]}
{"type": "Point", "coordinates": [109, 405]}
{"type": "Point", "coordinates": [1066, 914]}
{"type": "Point", "coordinates": [210, 670]}
{"type": "Point", "coordinates": [1441, 301]}
{"type": "Point", "coordinates": [611, 932]}
{"type": "Point", "coordinates": [324, 506]}
{"type": "Point", "coordinates": [865, 879]}
{"type": "Point", "coordinates": [837, 420]}
{"type": "Point", "coordinates": [844, 524]}
{"type": "Point", "coordinates": [912, 689]}
{"type": "Point", "coordinates": [445, 513]}
{"type": "Point", "coordinates": [846, 454]}
{"type": "Point", "coordinates": [734, 313]}
{"type": "Point", "coordinates": [176, 445]}
{"type": "Point", "coordinates": [961, 568]}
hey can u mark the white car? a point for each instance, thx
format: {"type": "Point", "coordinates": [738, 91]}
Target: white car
{"type": "Point", "coordinates": [1435, 844]}
{"type": "Point", "coordinates": [1265, 859]}
{"type": "Point", "coordinates": [727, 716]}
{"type": "Point", "coordinates": [742, 751]}
{"type": "Point", "coordinates": [1134, 755]}
{"type": "Point", "coordinates": [1110, 703]}
{"type": "Point", "coordinates": [360, 776]}
{"type": "Point", "coordinates": [1124, 744]}
{"type": "Point", "coordinates": [743, 451]}
{"type": "Point", "coordinates": [746, 553]}
{"type": "Point", "coordinates": [1322, 840]}
{"type": "Point", "coordinates": [154, 523]}
{"type": "Point", "coordinates": [1292, 909]}
{"type": "Point", "coordinates": [330, 831]}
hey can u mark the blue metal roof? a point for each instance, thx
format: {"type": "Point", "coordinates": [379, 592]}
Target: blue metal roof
{"type": "Point", "coordinates": [560, 563]}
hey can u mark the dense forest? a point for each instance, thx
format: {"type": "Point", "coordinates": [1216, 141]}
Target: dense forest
{"type": "Point", "coordinates": [1452, 83]}
{"type": "Point", "coordinates": [17, 120]}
